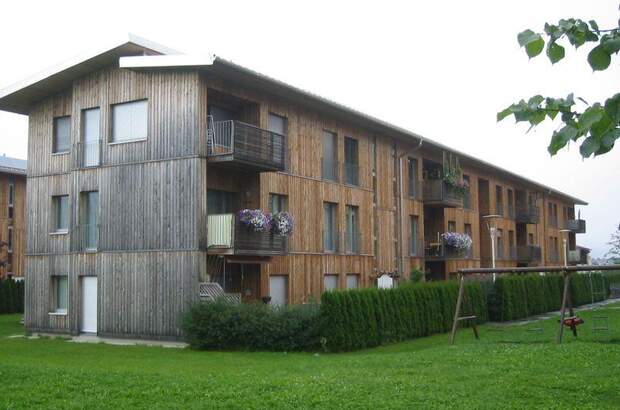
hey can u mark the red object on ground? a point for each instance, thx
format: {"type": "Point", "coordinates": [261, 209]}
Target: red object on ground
{"type": "Point", "coordinates": [573, 321]}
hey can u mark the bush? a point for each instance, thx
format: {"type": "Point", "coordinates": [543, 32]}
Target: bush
{"type": "Point", "coordinates": [416, 275]}
{"type": "Point", "coordinates": [11, 296]}
{"type": "Point", "coordinates": [360, 318]}
{"type": "Point", "coordinates": [223, 325]}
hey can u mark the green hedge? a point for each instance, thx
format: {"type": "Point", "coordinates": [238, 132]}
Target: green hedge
{"type": "Point", "coordinates": [11, 296]}
{"type": "Point", "coordinates": [518, 296]}
{"type": "Point", "coordinates": [222, 325]}
{"type": "Point", "coordinates": [361, 318]}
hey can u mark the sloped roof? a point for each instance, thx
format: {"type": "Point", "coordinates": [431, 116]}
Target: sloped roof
{"type": "Point", "coordinates": [9, 165]}
{"type": "Point", "coordinates": [136, 53]}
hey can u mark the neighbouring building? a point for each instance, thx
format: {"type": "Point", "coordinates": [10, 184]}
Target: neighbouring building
{"type": "Point", "coordinates": [140, 159]}
{"type": "Point", "coordinates": [12, 218]}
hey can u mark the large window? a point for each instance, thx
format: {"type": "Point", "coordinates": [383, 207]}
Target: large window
{"type": "Point", "coordinates": [62, 135]}
{"type": "Point", "coordinates": [500, 244]}
{"type": "Point", "coordinates": [221, 202]}
{"type": "Point", "coordinates": [413, 177]}
{"type": "Point", "coordinates": [89, 219]}
{"type": "Point", "coordinates": [330, 227]}
{"type": "Point", "coordinates": [278, 203]}
{"type": "Point", "coordinates": [413, 237]}
{"type": "Point", "coordinates": [351, 161]}
{"type": "Point", "coordinates": [499, 200]}
{"type": "Point", "coordinates": [352, 232]}
{"type": "Point", "coordinates": [90, 137]}
{"type": "Point", "coordinates": [60, 206]}
{"type": "Point", "coordinates": [330, 282]}
{"type": "Point", "coordinates": [129, 121]}
{"type": "Point", "coordinates": [60, 293]}
{"type": "Point", "coordinates": [330, 156]}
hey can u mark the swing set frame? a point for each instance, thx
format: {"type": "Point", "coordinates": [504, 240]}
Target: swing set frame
{"type": "Point", "coordinates": [566, 271]}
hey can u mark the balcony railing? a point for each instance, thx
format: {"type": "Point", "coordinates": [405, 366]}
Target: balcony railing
{"type": "Point", "coordinates": [351, 173]}
{"type": "Point", "coordinates": [329, 169]}
{"type": "Point", "coordinates": [439, 193]}
{"type": "Point", "coordinates": [528, 253]}
{"type": "Point", "coordinates": [441, 251]}
{"type": "Point", "coordinates": [352, 242]}
{"type": "Point", "coordinates": [227, 235]}
{"type": "Point", "coordinates": [87, 237]}
{"type": "Point", "coordinates": [88, 153]}
{"type": "Point", "coordinates": [578, 256]}
{"type": "Point", "coordinates": [576, 225]}
{"type": "Point", "coordinates": [246, 145]}
{"type": "Point", "coordinates": [528, 214]}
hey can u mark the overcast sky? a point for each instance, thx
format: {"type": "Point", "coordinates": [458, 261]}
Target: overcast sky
{"type": "Point", "coordinates": [439, 68]}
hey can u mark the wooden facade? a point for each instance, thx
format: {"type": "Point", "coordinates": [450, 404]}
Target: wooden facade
{"type": "Point", "coordinates": [152, 237]}
{"type": "Point", "coordinates": [12, 222]}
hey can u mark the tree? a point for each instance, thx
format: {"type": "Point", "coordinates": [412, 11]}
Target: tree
{"type": "Point", "coordinates": [597, 125]}
{"type": "Point", "coordinates": [614, 246]}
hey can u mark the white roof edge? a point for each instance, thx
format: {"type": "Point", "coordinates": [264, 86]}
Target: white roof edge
{"type": "Point", "coordinates": [165, 61]}
{"type": "Point", "coordinates": [100, 49]}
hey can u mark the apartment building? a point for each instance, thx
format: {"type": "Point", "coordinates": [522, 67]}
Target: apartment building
{"type": "Point", "coordinates": [140, 160]}
{"type": "Point", "coordinates": [12, 208]}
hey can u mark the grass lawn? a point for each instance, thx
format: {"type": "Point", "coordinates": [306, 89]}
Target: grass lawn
{"type": "Point", "coordinates": [509, 369]}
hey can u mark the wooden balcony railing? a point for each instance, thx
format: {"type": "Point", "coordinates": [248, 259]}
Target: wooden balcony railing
{"type": "Point", "coordinates": [528, 253]}
{"type": "Point", "coordinates": [246, 145]}
{"type": "Point", "coordinates": [227, 235]}
{"type": "Point", "coordinates": [576, 225]}
{"type": "Point", "coordinates": [528, 214]}
{"type": "Point", "coordinates": [439, 193]}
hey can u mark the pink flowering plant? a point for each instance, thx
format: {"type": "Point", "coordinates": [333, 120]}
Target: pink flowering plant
{"type": "Point", "coordinates": [456, 240]}
{"type": "Point", "coordinates": [255, 220]}
{"type": "Point", "coordinates": [282, 223]}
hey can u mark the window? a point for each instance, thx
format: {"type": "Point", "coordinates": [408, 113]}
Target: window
{"type": "Point", "coordinates": [413, 237]}
{"type": "Point", "coordinates": [330, 282]}
{"type": "Point", "coordinates": [60, 204]}
{"type": "Point", "coordinates": [352, 232]}
{"type": "Point", "coordinates": [511, 244]}
{"type": "Point", "coordinates": [467, 196]}
{"type": "Point", "coordinates": [89, 220]}
{"type": "Point", "coordinates": [499, 200]}
{"type": "Point", "coordinates": [11, 199]}
{"type": "Point", "coordinates": [351, 161]}
{"type": "Point", "coordinates": [530, 239]}
{"type": "Point", "coordinates": [277, 124]}
{"type": "Point", "coordinates": [330, 227]}
{"type": "Point", "coordinates": [511, 204]}
{"type": "Point", "coordinates": [353, 281]}
{"type": "Point", "coordinates": [412, 168]}
{"type": "Point", "coordinates": [221, 202]}
{"type": "Point", "coordinates": [90, 137]}
{"type": "Point", "coordinates": [62, 135]}
{"type": "Point", "coordinates": [500, 244]}
{"type": "Point", "coordinates": [468, 232]}
{"type": "Point", "coordinates": [278, 203]}
{"type": "Point", "coordinates": [330, 156]}
{"type": "Point", "coordinates": [129, 121]}
{"type": "Point", "coordinates": [451, 226]}
{"type": "Point", "coordinates": [10, 240]}
{"type": "Point", "coordinates": [60, 294]}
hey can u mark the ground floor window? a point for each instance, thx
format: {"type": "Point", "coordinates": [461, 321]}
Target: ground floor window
{"type": "Point", "coordinates": [60, 293]}
{"type": "Point", "coordinates": [330, 282]}
{"type": "Point", "coordinates": [353, 280]}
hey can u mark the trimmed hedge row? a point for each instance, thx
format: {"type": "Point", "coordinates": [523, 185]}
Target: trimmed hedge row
{"type": "Point", "coordinates": [515, 297]}
{"type": "Point", "coordinates": [362, 318]}
{"type": "Point", "coordinates": [11, 296]}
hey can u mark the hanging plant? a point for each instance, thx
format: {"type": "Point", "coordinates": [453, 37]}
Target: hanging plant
{"type": "Point", "coordinates": [282, 223]}
{"type": "Point", "coordinates": [456, 240]}
{"type": "Point", "coordinates": [255, 220]}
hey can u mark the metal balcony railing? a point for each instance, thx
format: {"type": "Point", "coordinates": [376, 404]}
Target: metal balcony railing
{"type": "Point", "coordinates": [528, 253]}
{"type": "Point", "coordinates": [576, 225]}
{"type": "Point", "coordinates": [329, 169]}
{"type": "Point", "coordinates": [442, 251]}
{"type": "Point", "coordinates": [88, 153]}
{"type": "Point", "coordinates": [439, 193]}
{"type": "Point", "coordinates": [528, 214]}
{"type": "Point", "coordinates": [226, 233]}
{"type": "Point", "coordinates": [246, 144]}
{"type": "Point", "coordinates": [578, 256]}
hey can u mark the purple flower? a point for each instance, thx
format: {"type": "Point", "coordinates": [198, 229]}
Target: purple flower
{"type": "Point", "coordinates": [282, 223]}
{"type": "Point", "coordinates": [457, 240]}
{"type": "Point", "coordinates": [255, 219]}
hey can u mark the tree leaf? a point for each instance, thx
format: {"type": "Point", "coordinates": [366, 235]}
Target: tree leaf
{"type": "Point", "coordinates": [555, 52]}
{"type": "Point", "coordinates": [612, 107]}
{"type": "Point", "coordinates": [526, 36]}
{"type": "Point", "coordinates": [561, 138]}
{"type": "Point", "coordinates": [610, 137]}
{"type": "Point", "coordinates": [611, 45]}
{"type": "Point", "coordinates": [599, 58]}
{"type": "Point", "coordinates": [590, 116]}
{"type": "Point", "coordinates": [533, 42]}
{"type": "Point", "coordinates": [503, 114]}
{"type": "Point", "coordinates": [594, 26]}
{"type": "Point", "coordinates": [589, 146]}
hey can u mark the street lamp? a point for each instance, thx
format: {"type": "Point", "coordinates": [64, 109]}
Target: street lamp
{"type": "Point", "coordinates": [493, 234]}
{"type": "Point", "coordinates": [565, 247]}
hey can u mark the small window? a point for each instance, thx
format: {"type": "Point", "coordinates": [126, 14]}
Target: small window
{"type": "Point", "coordinates": [353, 281]}
{"type": "Point", "coordinates": [413, 177]}
{"type": "Point", "coordinates": [10, 240]}
{"type": "Point", "coordinates": [277, 124]}
{"type": "Point", "coordinates": [60, 293]}
{"type": "Point", "coordinates": [129, 121]}
{"type": "Point", "coordinates": [330, 282]}
{"type": "Point", "coordinates": [451, 226]}
{"type": "Point", "coordinates": [60, 205]}
{"type": "Point", "coordinates": [62, 135]}
{"type": "Point", "coordinates": [278, 203]}
{"type": "Point", "coordinates": [413, 238]}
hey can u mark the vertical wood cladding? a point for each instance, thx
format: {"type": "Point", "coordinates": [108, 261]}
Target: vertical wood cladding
{"type": "Point", "coordinates": [17, 222]}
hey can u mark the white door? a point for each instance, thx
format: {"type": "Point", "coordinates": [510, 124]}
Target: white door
{"type": "Point", "coordinates": [89, 304]}
{"type": "Point", "coordinates": [278, 289]}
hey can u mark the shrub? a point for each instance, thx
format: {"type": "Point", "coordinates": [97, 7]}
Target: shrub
{"type": "Point", "coordinates": [11, 296]}
{"type": "Point", "coordinates": [360, 318]}
{"type": "Point", "coordinates": [223, 325]}
{"type": "Point", "coordinates": [416, 275]}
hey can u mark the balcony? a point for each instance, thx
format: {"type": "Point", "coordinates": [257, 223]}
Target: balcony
{"type": "Point", "coordinates": [578, 256]}
{"type": "Point", "coordinates": [528, 214]}
{"type": "Point", "coordinates": [227, 236]}
{"type": "Point", "coordinates": [88, 153]}
{"type": "Point", "coordinates": [246, 146]}
{"type": "Point", "coordinates": [528, 254]}
{"type": "Point", "coordinates": [440, 194]}
{"type": "Point", "coordinates": [439, 251]}
{"type": "Point", "coordinates": [576, 225]}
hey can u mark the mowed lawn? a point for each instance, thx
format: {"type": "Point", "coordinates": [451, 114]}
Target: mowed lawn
{"type": "Point", "coordinates": [506, 369]}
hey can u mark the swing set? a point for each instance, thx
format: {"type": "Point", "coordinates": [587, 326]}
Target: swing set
{"type": "Point", "coordinates": [571, 321]}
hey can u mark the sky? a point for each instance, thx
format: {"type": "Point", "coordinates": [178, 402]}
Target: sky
{"type": "Point", "coordinates": [442, 69]}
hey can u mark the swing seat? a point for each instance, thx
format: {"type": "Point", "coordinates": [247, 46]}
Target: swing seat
{"type": "Point", "coordinates": [573, 321]}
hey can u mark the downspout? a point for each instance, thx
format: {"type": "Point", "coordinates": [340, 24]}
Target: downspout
{"type": "Point", "coordinates": [401, 209]}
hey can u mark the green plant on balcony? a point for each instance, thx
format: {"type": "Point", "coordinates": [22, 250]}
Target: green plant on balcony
{"type": "Point", "coordinates": [452, 175]}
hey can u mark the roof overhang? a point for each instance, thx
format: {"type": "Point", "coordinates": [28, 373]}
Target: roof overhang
{"type": "Point", "coordinates": [12, 171]}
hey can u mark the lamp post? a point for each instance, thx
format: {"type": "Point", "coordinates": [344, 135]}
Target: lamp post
{"type": "Point", "coordinates": [493, 234]}
{"type": "Point", "coordinates": [564, 245]}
